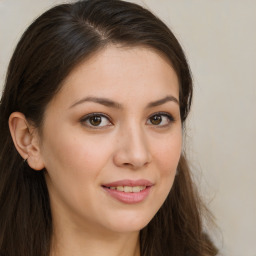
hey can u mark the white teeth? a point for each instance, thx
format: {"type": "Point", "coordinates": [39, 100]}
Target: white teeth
{"type": "Point", "coordinates": [129, 189]}
{"type": "Point", "coordinates": [120, 188]}
{"type": "Point", "coordinates": [136, 189]}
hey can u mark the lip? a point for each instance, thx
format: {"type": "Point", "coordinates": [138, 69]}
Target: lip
{"type": "Point", "coordinates": [131, 183]}
{"type": "Point", "coordinates": [128, 197]}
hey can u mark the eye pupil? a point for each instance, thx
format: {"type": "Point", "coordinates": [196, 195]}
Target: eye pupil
{"type": "Point", "coordinates": [95, 120]}
{"type": "Point", "coordinates": [156, 119]}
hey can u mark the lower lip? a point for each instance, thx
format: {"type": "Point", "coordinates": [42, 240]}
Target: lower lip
{"type": "Point", "coordinates": [128, 198]}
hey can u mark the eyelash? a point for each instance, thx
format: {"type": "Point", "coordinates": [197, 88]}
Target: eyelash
{"type": "Point", "coordinates": [86, 120]}
{"type": "Point", "coordinates": [163, 114]}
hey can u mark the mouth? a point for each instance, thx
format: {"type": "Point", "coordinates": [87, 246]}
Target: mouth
{"type": "Point", "coordinates": [128, 191]}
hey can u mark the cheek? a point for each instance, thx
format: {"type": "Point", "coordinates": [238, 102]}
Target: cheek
{"type": "Point", "coordinates": [74, 164]}
{"type": "Point", "coordinates": [77, 153]}
{"type": "Point", "coordinates": [166, 157]}
{"type": "Point", "coordinates": [168, 154]}
{"type": "Point", "coordinates": [92, 152]}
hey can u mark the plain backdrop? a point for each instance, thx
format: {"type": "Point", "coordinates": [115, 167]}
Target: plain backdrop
{"type": "Point", "coordinates": [219, 38]}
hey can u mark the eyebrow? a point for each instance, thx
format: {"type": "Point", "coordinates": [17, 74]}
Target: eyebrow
{"type": "Point", "coordinates": [112, 104]}
{"type": "Point", "coordinates": [103, 101]}
{"type": "Point", "coordinates": [162, 101]}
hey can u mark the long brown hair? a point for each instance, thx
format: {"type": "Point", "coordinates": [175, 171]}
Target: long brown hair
{"type": "Point", "coordinates": [49, 49]}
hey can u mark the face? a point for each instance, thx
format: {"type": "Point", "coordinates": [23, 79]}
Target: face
{"type": "Point", "coordinates": [111, 140]}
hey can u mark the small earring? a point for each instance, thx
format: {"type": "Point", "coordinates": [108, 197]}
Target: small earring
{"type": "Point", "coordinates": [25, 160]}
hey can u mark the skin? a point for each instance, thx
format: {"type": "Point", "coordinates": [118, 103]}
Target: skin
{"type": "Point", "coordinates": [80, 157]}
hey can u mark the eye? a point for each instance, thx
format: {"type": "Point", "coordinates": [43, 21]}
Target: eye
{"type": "Point", "coordinates": [160, 119]}
{"type": "Point", "coordinates": [96, 120]}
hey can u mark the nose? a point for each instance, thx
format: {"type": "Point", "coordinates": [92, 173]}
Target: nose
{"type": "Point", "coordinates": [132, 149]}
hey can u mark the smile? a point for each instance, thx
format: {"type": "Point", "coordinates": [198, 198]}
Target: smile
{"type": "Point", "coordinates": [128, 191]}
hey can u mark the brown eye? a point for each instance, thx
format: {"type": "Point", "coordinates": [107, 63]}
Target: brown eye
{"type": "Point", "coordinates": [156, 119]}
{"type": "Point", "coordinates": [161, 119]}
{"type": "Point", "coordinates": [95, 120]}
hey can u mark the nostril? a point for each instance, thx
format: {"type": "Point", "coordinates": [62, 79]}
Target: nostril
{"type": "Point", "coordinates": [132, 154]}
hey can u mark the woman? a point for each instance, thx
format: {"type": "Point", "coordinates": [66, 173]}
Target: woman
{"type": "Point", "coordinates": [95, 101]}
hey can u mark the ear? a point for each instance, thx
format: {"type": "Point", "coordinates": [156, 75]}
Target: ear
{"type": "Point", "coordinates": [26, 140]}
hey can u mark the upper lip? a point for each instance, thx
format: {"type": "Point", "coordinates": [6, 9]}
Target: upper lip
{"type": "Point", "coordinates": [130, 183]}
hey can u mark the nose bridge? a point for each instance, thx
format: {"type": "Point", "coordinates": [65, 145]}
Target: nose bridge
{"type": "Point", "coordinates": [133, 147]}
{"type": "Point", "coordinates": [136, 139]}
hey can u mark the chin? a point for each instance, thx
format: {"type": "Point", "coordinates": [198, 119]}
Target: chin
{"type": "Point", "coordinates": [134, 222]}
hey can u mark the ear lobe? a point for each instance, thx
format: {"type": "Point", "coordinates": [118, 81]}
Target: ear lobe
{"type": "Point", "coordinates": [26, 140]}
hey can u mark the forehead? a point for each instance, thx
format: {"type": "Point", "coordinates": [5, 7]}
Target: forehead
{"type": "Point", "coordinates": [121, 72]}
